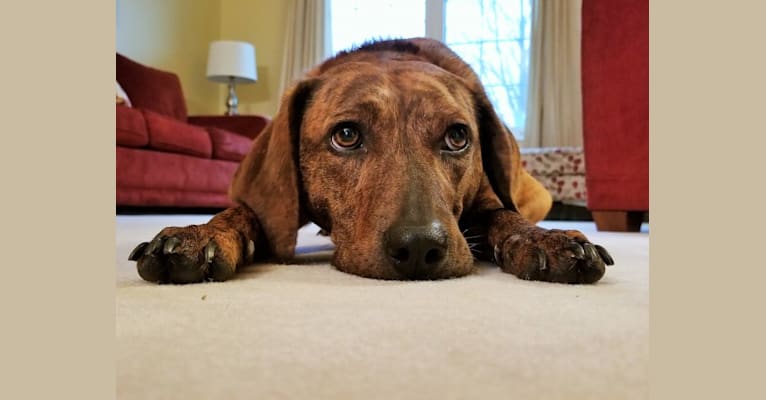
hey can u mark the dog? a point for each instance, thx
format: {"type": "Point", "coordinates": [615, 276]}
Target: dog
{"type": "Point", "coordinates": [394, 149]}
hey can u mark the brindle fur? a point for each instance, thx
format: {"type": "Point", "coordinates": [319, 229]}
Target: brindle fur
{"type": "Point", "coordinates": [403, 94]}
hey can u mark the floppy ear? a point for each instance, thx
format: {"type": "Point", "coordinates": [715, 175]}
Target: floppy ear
{"type": "Point", "coordinates": [499, 151]}
{"type": "Point", "coordinates": [268, 181]}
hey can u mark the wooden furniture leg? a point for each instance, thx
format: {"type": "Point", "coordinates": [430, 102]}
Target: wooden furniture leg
{"type": "Point", "coordinates": [618, 221]}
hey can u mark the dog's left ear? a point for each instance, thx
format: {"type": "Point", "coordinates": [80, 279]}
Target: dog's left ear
{"type": "Point", "coordinates": [267, 179]}
{"type": "Point", "coordinates": [499, 151]}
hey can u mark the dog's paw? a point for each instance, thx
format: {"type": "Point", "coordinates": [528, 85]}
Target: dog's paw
{"type": "Point", "coordinates": [192, 254]}
{"type": "Point", "coordinates": [553, 256]}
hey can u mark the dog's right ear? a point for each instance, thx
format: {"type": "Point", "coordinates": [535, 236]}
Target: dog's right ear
{"type": "Point", "coordinates": [267, 179]}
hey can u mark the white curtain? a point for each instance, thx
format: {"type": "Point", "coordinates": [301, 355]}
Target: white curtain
{"type": "Point", "coordinates": [554, 105]}
{"type": "Point", "coordinates": [305, 44]}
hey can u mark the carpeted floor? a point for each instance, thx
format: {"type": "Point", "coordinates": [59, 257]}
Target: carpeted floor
{"type": "Point", "coordinates": [308, 331]}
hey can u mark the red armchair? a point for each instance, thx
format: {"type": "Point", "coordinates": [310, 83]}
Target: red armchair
{"type": "Point", "coordinates": [615, 89]}
{"type": "Point", "coordinates": [164, 157]}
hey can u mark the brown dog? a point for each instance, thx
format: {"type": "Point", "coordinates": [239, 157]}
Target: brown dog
{"type": "Point", "coordinates": [396, 151]}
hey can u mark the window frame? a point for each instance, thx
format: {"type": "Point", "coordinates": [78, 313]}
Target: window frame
{"type": "Point", "coordinates": [435, 19]}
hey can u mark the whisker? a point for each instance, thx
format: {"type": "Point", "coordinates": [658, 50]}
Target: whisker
{"type": "Point", "coordinates": [474, 237]}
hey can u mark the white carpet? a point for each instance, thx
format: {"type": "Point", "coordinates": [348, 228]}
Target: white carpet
{"type": "Point", "coordinates": [308, 331]}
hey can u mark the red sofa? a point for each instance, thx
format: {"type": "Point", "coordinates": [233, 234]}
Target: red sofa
{"type": "Point", "coordinates": [615, 88]}
{"type": "Point", "coordinates": [166, 158]}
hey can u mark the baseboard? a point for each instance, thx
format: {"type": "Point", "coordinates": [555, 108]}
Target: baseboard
{"type": "Point", "coordinates": [568, 212]}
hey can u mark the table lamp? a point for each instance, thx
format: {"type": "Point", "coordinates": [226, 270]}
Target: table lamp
{"type": "Point", "coordinates": [231, 62]}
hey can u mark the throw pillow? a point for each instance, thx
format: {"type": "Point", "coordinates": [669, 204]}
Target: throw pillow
{"type": "Point", "coordinates": [122, 97]}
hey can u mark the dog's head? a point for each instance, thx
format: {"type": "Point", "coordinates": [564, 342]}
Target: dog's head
{"type": "Point", "coordinates": [386, 147]}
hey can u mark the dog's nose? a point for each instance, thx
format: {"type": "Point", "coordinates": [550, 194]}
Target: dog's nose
{"type": "Point", "coordinates": [416, 251]}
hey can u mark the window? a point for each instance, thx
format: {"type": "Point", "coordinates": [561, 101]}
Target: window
{"type": "Point", "coordinates": [354, 22]}
{"type": "Point", "coordinates": [493, 36]}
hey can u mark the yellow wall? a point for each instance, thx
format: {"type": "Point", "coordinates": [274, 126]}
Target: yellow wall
{"type": "Point", "coordinates": [174, 35]}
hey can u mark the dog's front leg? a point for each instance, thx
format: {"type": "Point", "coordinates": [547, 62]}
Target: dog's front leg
{"type": "Point", "coordinates": [535, 253]}
{"type": "Point", "coordinates": [211, 251]}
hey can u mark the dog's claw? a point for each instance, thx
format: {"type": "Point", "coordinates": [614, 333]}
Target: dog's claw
{"type": "Point", "coordinates": [608, 260]}
{"type": "Point", "coordinates": [148, 264]}
{"type": "Point", "coordinates": [155, 244]}
{"type": "Point", "coordinates": [577, 251]}
{"type": "Point", "coordinates": [590, 251]}
{"type": "Point", "coordinates": [171, 245]}
{"type": "Point", "coordinates": [138, 251]}
{"type": "Point", "coordinates": [250, 248]}
{"type": "Point", "coordinates": [210, 250]}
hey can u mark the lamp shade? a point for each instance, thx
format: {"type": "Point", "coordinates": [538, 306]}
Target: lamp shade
{"type": "Point", "coordinates": [231, 59]}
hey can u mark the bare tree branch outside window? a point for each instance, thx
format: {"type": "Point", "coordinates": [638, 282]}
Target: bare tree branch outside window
{"type": "Point", "coordinates": [493, 36]}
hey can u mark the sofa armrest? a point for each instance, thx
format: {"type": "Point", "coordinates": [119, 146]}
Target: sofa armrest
{"type": "Point", "coordinates": [245, 125]}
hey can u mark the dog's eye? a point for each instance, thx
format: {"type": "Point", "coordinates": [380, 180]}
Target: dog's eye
{"type": "Point", "coordinates": [456, 138]}
{"type": "Point", "coordinates": [346, 138]}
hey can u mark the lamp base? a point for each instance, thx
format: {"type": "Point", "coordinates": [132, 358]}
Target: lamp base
{"type": "Point", "coordinates": [232, 102]}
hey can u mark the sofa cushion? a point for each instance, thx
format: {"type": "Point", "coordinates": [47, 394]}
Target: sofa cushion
{"type": "Point", "coordinates": [170, 135]}
{"type": "Point", "coordinates": [228, 145]}
{"type": "Point", "coordinates": [131, 127]}
{"type": "Point", "coordinates": [146, 177]}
